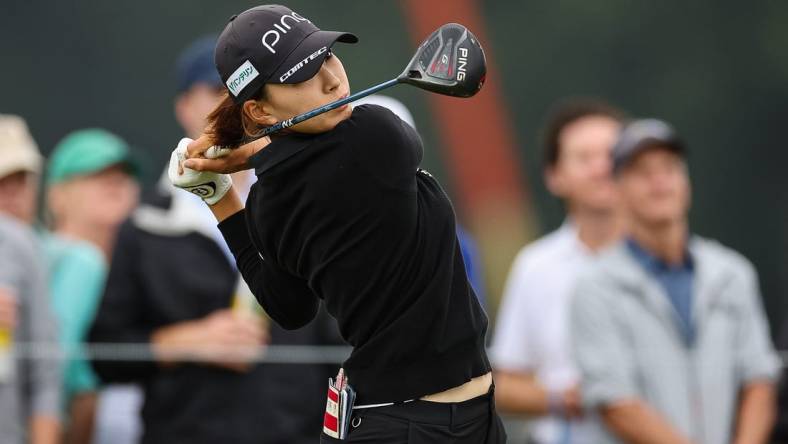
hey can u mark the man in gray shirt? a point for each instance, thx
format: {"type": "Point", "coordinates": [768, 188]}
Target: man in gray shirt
{"type": "Point", "coordinates": [668, 329]}
{"type": "Point", "coordinates": [29, 389]}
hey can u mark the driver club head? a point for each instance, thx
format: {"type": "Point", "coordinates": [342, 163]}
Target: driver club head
{"type": "Point", "coordinates": [449, 62]}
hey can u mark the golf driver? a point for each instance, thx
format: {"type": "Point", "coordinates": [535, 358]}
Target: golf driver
{"type": "Point", "coordinates": [449, 62]}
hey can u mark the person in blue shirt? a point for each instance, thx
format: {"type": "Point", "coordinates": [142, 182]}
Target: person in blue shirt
{"type": "Point", "coordinates": [667, 326]}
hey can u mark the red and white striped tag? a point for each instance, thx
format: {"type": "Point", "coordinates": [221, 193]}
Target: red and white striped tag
{"type": "Point", "coordinates": [331, 418]}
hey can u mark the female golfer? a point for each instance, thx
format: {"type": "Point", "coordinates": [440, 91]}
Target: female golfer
{"type": "Point", "coordinates": [341, 212]}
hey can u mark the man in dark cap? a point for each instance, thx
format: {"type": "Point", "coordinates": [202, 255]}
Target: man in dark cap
{"type": "Point", "coordinates": [668, 329]}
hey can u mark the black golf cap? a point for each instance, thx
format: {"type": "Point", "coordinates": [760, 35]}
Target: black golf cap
{"type": "Point", "coordinates": [639, 135]}
{"type": "Point", "coordinates": [271, 44]}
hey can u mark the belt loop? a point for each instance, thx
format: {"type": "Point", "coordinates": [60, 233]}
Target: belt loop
{"type": "Point", "coordinates": [453, 413]}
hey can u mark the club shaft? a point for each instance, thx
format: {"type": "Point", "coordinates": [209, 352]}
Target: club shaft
{"type": "Point", "coordinates": [326, 108]}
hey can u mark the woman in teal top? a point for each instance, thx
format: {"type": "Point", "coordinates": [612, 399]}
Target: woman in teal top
{"type": "Point", "coordinates": [91, 189]}
{"type": "Point", "coordinates": [77, 272]}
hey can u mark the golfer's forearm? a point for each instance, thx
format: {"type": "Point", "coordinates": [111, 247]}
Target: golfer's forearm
{"type": "Point", "coordinates": [227, 205]}
{"type": "Point", "coordinates": [756, 413]}
{"type": "Point", "coordinates": [520, 394]}
{"type": "Point", "coordinates": [636, 423]}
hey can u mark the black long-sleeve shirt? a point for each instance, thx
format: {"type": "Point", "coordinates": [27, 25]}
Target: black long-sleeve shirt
{"type": "Point", "coordinates": [346, 216]}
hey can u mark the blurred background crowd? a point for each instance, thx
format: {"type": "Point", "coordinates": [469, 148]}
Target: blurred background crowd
{"type": "Point", "coordinates": [617, 181]}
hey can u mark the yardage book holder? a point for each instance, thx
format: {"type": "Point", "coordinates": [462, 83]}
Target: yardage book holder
{"type": "Point", "coordinates": [339, 407]}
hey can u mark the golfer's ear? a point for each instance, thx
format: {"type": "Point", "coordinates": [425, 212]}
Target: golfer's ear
{"type": "Point", "coordinates": [259, 111]}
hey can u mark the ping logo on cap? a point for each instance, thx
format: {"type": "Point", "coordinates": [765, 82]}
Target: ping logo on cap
{"type": "Point", "coordinates": [241, 77]}
{"type": "Point", "coordinates": [271, 37]}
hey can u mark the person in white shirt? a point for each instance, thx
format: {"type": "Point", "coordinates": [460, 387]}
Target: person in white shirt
{"type": "Point", "coordinates": [534, 371]}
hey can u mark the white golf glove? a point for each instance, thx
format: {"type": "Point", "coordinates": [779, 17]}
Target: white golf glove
{"type": "Point", "coordinates": [209, 186]}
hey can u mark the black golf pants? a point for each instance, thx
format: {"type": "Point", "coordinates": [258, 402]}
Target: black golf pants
{"type": "Point", "coordinates": [421, 422]}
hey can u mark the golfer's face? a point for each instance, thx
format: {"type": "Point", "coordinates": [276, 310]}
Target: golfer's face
{"type": "Point", "coordinates": [328, 85]}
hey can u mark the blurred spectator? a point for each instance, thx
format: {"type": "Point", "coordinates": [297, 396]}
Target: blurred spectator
{"type": "Point", "coordinates": [668, 328]}
{"type": "Point", "coordinates": [155, 294]}
{"type": "Point", "coordinates": [91, 189]}
{"type": "Point", "coordinates": [470, 253]}
{"type": "Point", "coordinates": [20, 170]}
{"type": "Point", "coordinates": [473, 263]}
{"type": "Point", "coordinates": [780, 435]}
{"type": "Point", "coordinates": [29, 388]}
{"type": "Point", "coordinates": [90, 193]}
{"type": "Point", "coordinates": [535, 373]}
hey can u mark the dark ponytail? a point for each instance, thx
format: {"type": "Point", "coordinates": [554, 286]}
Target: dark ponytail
{"type": "Point", "coordinates": [229, 126]}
